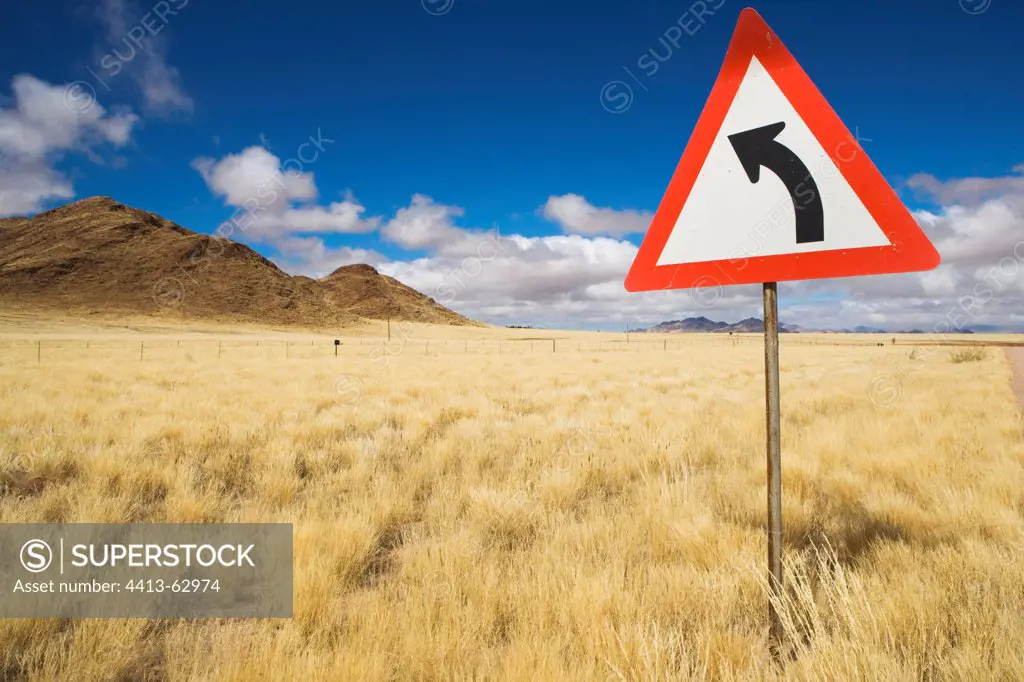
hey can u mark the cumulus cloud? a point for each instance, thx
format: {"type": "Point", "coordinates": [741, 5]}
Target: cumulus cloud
{"type": "Point", "coordinates": [275, 204]}
{"type": "Point", "coordinates": [241, 177]}
{"type": "Point", "coordinates": [555, 281]}
{"type": "Point", "coordinates": [423, 224]}
{"type": "Point", "coordinates": [27, 184]}
{"type": "Point", "coordinates": [979, 231]}
{"type": "Point", "coordinates": [273, 201]}
{"type": "Point", "coordinates": [575, 215]}
{"type": "Point", "coordinates": [41, 122]}
{"type": "Point", "coordinates": [311, 257]}
{"type": "Point", "coordinates": [135, 46]}
{"type": "Point", "coordinates": [40, 127]}
{"type": "Point", "coordinates": [576, 280]}
{"type": "Point", "coordinates": [969, 191]}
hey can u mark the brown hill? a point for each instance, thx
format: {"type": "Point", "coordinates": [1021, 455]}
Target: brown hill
{"type": "Point", "coordinates": [365, 292]}
{"type": "Point", "coordinates": [99, 255]}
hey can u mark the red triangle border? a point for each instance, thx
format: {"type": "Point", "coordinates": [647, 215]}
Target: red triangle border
{"type": "Point", "coordinates": [909, 249]}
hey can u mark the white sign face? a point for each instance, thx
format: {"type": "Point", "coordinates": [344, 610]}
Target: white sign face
{"type": "Point", "coordinates": [768, 187]}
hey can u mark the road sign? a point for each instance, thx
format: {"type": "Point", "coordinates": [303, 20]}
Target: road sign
{"type": "Point", "coordinates": [773, 187]}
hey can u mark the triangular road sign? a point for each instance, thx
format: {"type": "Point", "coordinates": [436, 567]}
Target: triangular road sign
{"type": "Point", "coordinates": [773, 187]}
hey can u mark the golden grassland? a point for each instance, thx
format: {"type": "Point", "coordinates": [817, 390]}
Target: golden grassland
{"type": "Point", "coordinates": [465, 514]}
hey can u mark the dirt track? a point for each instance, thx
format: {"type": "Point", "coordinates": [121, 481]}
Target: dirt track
{"type": "Point", "coordinates": [1016, 358]}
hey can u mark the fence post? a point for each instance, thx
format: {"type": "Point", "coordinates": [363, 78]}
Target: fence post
{"type": "Point", "coordinates": [39, 352]}
{"type": "Point", "coordinates": [142, 347]}
{"type": "Point", "coordinates": [552, 345]}
{"type": "Point", "coordinates": [218, 350]}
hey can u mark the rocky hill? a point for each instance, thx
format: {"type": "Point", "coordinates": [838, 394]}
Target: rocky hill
{"type": "Point", "coordinates": [100, 255]}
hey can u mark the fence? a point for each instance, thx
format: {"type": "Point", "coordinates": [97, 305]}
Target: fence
{"type": "Point", "coordinates": [194, 349]}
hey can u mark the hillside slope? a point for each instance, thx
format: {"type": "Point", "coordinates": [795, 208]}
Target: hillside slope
{"type": "Point", "coordinates": [99, 255]}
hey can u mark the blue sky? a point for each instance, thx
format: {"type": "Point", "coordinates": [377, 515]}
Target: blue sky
{"type": "Point", "coordinates": [492, 109]}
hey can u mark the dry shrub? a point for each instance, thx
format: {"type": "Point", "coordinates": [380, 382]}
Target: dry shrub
{"type": "Point", "coordinates": [967, 355]}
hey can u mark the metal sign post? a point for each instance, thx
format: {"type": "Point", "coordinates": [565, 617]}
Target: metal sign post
{"type": "Point", "coordinates": [774, 450]}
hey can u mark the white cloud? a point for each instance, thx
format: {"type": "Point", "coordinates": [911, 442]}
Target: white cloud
{"type": "Point", "coordinates": [576, 280]}
{"type": "Point", "coordinates": [311, 257]}
{"type": "Point", "coordinates": [940, 282]}
{"type": "Point", "coordinates": [27, 185]}
{"type": "Point", "coordinates": [423, 224]}
{"type": "Point", "coordinates": [255, 171]}
{"type": "Point", "coordinates": [980, 236]}
{"type": "Point", "coordinates": [344, 217]}
{"type": "Point", "coordinates": [44, 123]}
{"type": "Point", "coordinates": [969, 191]}
{"type": "Point", "coordinates": [276, 206]}
{"type": "Point", "coordinates": [556, 281]}
{"type": "Point", "coordinates": [576, 215]}
{"type": "Point", "coordinates": [136, 47]}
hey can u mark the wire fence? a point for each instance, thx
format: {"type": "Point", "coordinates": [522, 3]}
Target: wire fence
{"type": "Point", "coordinates": [195, 349]}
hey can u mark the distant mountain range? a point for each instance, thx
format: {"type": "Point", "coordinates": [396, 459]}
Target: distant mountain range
{"type": "Point", "coordinates": [702, 325]}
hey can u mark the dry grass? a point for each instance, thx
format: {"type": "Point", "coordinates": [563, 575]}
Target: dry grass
{"type": "Point", "coordinates": [530, 516]}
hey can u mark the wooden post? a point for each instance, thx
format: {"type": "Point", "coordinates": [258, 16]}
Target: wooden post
{"type": "Point", "coordinates": [389, 327]}
{"type": "Point", "coordinates": [142, 347]}
{"type": "Point", "coordinates": [773, 447]}
{"type": "Point", "coordinates": [552, 345]}
{"type": "Point", "coordinates": [39, 352]}
{"type": "Point", "coordinates": [218, 350]}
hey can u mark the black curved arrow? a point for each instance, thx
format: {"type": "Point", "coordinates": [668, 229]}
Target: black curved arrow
{"type": "Point", "coordinates": [758, 147]}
